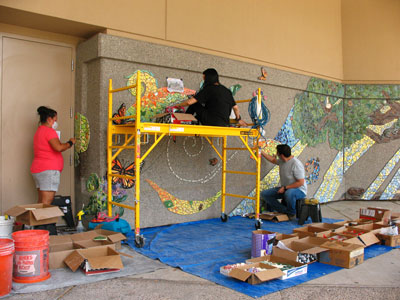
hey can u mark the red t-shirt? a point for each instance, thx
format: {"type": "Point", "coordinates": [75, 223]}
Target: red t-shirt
{"type": "Point", "coordinates": [45, 158]}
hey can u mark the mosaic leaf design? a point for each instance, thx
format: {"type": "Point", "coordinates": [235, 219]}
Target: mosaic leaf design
{"type": "Point", "coordinates": [182, 207]}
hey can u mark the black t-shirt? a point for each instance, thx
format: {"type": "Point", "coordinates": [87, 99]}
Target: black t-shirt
{"type": "Point", "coordinates": [218, 102]}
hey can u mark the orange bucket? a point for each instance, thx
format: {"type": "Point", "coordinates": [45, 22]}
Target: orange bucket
{"type": "Point", "coordinates": [6, 265]}
{"type": "Point", "coordinates": [31, 259]}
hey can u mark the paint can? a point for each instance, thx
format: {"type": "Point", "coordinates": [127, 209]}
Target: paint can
{"type": "Point", "coordinates": [6, 226]}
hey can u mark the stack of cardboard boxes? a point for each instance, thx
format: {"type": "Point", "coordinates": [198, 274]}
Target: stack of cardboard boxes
{"type": "Point", "coordinates": [340, 244]}
{"type": "Point", "coordinates": [94, 251]}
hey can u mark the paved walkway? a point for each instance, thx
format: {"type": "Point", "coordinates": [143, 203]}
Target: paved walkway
{"type": "Point", "coordinates": [376, 278]}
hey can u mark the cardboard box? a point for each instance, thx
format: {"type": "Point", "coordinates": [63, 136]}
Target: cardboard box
{"type": "Point", "coordinates": [354, 222]}
{"type": "Point", "coordinates": [358, 240]}
{"type": "Point", "coordinates": [95, 260]}
{"type": "Point", "coordinates": [329, 226]}
{"type": "Point", "coordinates": [35, 214]}
{"type": "Point", "coordinates": [376, 214]}
{"type": "Point", "coordinates": [361, 237]}
{"type": "Point", "coordinates": [389, 240]}
{"type": "Point", "coordinates": [298, 268]}
{"type": "Point", "coordinates": [395, 217]}
{"type": "Point", "coordinates": [271, 216]}
{"type": "Point", "coordinates": [225, 270]}
{"type": "Point", "coordinates": [371, 227]}
{"type": "Point", "coordinates": [63, 245]}
{"type": "Point", "coordinates": [312, 240]}
{"type": "Point", "coordinates": [311, 231]}
{"type": "Point", "coordinates": [176, 118]}
{"type": "Point", "coordinates": [300, 252]}
{"type": "Point", "coordinates": [112, 236]}
{"type": "Point", "coordinates": [342, 254]}
{"type": "Point", "coordinates": [242, 274]}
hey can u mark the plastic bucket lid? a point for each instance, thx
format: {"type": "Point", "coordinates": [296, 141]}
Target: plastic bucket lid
{"type": "Point", "coordinates": [6, 247]}
{"type": "Point", "coordinates": [4, 221]}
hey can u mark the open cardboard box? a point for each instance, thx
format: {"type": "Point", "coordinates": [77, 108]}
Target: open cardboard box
{"type": "Point", "coordinates": [94, 260]}
{"type": "Point", "coordinates": [298, 268]}
{"type": "Point", "coordinates": [35, 214]}
{"type": "Point", "coordinates": [376, 214]}
{"type": "Point", "coordinates": [342, 254]}
{"type": "Point", "coordinates": [362, 240]}
{"type": "Point", "coordinates": [63, 245]}
{"type": "Point", "coordinates": [112, 236]}
{"type": "Point", "coordinates": [299, 252]}
{"type": "Point", "coordinates": [361, 237]}
{"type": "Point", "coordinates": [242, 274]}
{"type": "Point", "coordinates": [354, 222]}
{"type": "Point", "coordinates": [390, 240]}
{"type": "Point", "coordinates": [371, 227]}
{"type": "Point", "coordinates": [311, 231]}
{"type": "Point", "coordinates": [312, 240]}
{"type": "Point", "coordinates": [329, 226]}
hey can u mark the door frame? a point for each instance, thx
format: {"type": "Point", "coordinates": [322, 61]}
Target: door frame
{"type": "Point", "coordinates": [72, 103]}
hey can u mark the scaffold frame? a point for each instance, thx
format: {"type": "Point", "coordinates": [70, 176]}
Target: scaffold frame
{"type": "Point", "coordinates": [135, 130]}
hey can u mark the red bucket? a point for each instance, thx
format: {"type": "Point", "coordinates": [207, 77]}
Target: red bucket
{"type": "Point", "coordinates": [6, 265]}
{"type": "Point", "coordinates": [31, 259]}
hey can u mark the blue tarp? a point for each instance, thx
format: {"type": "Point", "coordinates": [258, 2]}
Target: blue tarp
{"type": "Point", "coordinates": [201, 248]}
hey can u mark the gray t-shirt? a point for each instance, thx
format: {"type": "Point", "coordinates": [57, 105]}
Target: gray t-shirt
{"type": "Point", "coordinates": [292, 171]}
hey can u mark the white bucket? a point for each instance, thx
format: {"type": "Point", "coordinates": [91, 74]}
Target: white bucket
{"type": "Point", "coordinates": [6, 226]}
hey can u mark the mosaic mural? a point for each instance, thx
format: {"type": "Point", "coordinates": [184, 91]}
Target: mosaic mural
{"type": "Point", "coordinates": [154, 99]}
{"type": "Point", "coordinates": [349, 119]}
{"type": "Point", "coordinates": [182, 207]}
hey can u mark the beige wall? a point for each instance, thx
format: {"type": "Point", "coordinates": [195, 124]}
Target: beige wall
{"type": "Point", "coordinates": [371, 40]}
{"type": "Point", "coordinates": [304, 36]}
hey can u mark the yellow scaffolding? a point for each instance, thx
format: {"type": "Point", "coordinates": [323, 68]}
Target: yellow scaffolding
{"type": "Point", "coordinates": [159, 131]}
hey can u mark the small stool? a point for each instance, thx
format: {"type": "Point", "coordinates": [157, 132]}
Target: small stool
{"type": "Point", "coordinates": [308, 208]}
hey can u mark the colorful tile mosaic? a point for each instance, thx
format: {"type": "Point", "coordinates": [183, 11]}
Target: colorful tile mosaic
{"type": "Point", "coordinates": [374, 187]}
{"type": "Point", "coordinates": [392, 190]}
{"type": "Point", "coordinates": [312, 169]}
{"type": "Point", "coordinates": [182, 207]}
{"type": "Point", "coordinates": [286, 134]}
{"type": "Point", "coordinates": [332, 180]}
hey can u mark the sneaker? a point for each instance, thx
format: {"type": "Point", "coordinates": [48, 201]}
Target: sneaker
{"type": "Point", "coordinates": [291, 217]}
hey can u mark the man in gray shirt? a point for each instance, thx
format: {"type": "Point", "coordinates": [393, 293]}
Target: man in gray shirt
{"type": "Point", "coordinates": [293, 184]}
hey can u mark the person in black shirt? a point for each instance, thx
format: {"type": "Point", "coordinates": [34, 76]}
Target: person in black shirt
{"type": "Point", "coordinates": [212, 105]}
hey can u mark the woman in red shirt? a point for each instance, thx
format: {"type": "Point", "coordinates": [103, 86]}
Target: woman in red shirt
{"type": "Point", "coordinates": [48, 162]}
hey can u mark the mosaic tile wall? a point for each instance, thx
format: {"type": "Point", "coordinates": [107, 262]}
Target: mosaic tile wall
{"type": "Point", "coordinates": [351, 119]}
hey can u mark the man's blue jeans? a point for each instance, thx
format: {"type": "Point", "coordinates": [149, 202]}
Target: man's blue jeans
{"type": "Point", "coordinates": [269, 198]}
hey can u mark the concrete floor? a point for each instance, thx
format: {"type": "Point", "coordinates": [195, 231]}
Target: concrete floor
{"type": "Point", "coordinates": [376, 278]}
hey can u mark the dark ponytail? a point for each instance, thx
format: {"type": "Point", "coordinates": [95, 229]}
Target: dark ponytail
{"type": "Point", "coordinates": [45, 112]}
